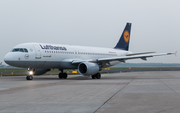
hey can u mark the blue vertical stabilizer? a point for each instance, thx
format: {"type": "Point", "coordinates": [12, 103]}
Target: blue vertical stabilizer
{"type": "Point", "coordinates": [124, 39]}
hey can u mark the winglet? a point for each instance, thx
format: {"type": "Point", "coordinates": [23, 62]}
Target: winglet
{"type": "Point", "coordinates": [175, 53]}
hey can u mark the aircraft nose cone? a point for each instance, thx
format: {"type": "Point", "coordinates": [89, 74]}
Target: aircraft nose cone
{"type": "Point", "coordinates": [8, 58]}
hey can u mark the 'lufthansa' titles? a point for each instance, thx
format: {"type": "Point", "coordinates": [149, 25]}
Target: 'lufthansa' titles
{"type": "Point", "coordinates": [53, 47]}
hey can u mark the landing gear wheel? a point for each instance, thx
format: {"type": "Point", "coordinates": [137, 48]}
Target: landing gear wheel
{"type": "Point", "coordinates": [96, 76]}
{"type": "Point", "coordinates": [93, 76]}
{"type": "Point", "coordinates": [29, 77]}
{"type": "Point", "coordinates": [62, 75]}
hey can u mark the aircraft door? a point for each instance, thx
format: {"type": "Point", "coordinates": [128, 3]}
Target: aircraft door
{"type": "Point", "coordinates": [38, 52]}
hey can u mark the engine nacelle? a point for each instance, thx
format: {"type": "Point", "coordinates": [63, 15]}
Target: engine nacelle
{"type": "Point", "coordinates": [40, 71]}
{"type": "Point", "coordinates": [88, 68]}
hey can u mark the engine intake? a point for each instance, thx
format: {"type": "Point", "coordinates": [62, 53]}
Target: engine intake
{"type": "Point", "coordinates": [88, 68]}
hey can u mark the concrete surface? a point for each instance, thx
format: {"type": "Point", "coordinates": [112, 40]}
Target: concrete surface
{"type": "Point", "coordinates": [132, 92]}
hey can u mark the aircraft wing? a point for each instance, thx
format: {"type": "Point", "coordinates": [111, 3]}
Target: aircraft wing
{"type": "Point", "coordinates": [127, 57]}
{"type": "Point", "coordinates": [123, 58]}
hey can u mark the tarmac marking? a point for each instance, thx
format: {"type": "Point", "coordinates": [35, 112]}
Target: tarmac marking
{"type": "Point", "coordinates": [104, 104]}
{"type": "Point", "coordinates": [3, 88]}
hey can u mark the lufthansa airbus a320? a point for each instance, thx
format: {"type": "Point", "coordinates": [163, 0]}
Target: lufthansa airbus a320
{"type": "Point", "coordinates": [40, 58]}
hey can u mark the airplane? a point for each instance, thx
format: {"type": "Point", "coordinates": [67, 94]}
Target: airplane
{"type": "Point", "coordinates": [40, 58]}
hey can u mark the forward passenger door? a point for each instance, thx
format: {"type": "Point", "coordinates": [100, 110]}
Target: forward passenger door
{"type": "Point", "coordinates": [38, 52]}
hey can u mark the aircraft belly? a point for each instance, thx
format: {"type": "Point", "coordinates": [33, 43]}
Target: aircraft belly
{"type": "Point", "coordinates": [43, 64]}
{"type": "Point", "coordinates": [24, 64]}
{"type": "Point", "coordinates": [46, 64]}
{"type": "Point", "coordinates": [55, 64]}
{"type": "Point", "coordinates": [67, 65]}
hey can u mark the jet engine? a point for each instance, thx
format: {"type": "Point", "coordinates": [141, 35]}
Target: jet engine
{"type": "Point", "coordinates": [39, 71]}
{"type": "Point", "coordinates": [88, 68]}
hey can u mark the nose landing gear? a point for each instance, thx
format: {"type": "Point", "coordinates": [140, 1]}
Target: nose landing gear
{"type": "Point", "coordinates": [29, 77]}
{"type": "Point", "coordinates": [31, 72]}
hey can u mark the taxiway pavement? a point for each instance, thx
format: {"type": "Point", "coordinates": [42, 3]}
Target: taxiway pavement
{"type": "Point", "coordinates": [131, 92]}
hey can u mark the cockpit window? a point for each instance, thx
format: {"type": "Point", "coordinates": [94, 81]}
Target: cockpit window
{"type": "Point", "coordinates": [25, 50]}
{"type": "Point", "coordinates": [15, 50]}
{"type": "Point", "coordinates": [20, 50]}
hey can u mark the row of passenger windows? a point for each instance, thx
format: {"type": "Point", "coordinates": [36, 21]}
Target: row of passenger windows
{"type": "Point", "coordinates": [59, 52]}
{"type": "Point", "coordinates": [83, 53]}
{"type": "Point", "coordinates": [20, 50]}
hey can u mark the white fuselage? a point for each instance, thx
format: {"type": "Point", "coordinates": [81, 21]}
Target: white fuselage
{"type": "Point", "coordinates": [47, 56]}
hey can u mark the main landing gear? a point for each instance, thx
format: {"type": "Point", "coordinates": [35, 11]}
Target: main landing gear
{"type": "Point", "coordinates": [96, 76]}
{"type": "Point", "coordinates": [62, 75]}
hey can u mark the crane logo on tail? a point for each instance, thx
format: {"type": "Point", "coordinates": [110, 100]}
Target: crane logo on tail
{"type": "Point", "coordinates": [126, 36]}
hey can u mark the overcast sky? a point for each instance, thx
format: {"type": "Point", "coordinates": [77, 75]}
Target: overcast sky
{"type": "Point", "coordinates": [99, 23]}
